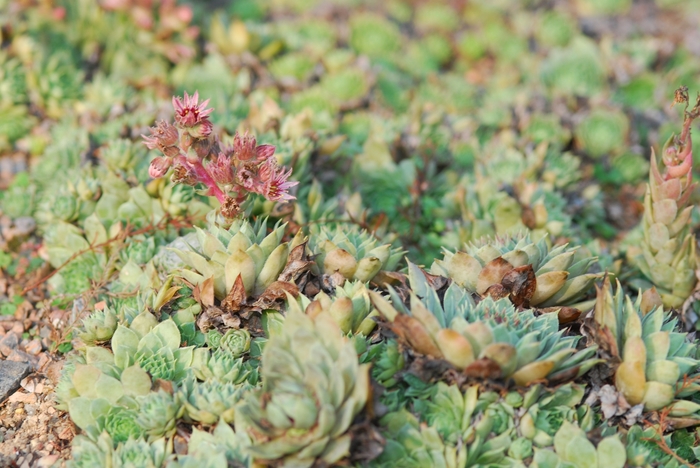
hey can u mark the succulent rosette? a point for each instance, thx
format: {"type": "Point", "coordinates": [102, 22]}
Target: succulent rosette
{"type": "Point", "coordinates": [529, 272]}
{"type": "Point", "coordinates": [489, 338]}
{"type": "Point", "coordinates": [158, 413]}
{"type": "Point", "coordinates": [312, 388]}
{"type": "Point", "coordinates": [353, 253]}
{"type": "Point", "coordinates": [243, 249]}
{"type": "Point", "coordinates": [219, 365]}
{"type": "Point", "coordinates": [139, 453]}
{"type": "Point", "coordinates": [210, 401]}
{"type": "Point", "coordinates": [98, 326]}
{"type": "Point", "coordinates": [349, 306]}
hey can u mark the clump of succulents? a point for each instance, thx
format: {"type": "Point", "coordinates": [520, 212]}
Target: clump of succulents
{"type": "Point", "coordinates": [488, 338]}
{"type": "Point", "coordinates": [529, 272]}
{"type": "Point", "coordinates": [349, 307]}
{"type": "Point", "coordinates": [429, 125]}
{"type": "Point", "coordinates": [312, 388]}
{"type": "Point", "coordinates": [458, 428]}
{"type": "Point", "coordinates": [656, 360]}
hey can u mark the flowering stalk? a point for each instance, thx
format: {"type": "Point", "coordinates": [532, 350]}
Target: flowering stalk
{"type": "Point", "coordinates": [198, 157]}
{"type": "Point", "coordinates": [668, 256]}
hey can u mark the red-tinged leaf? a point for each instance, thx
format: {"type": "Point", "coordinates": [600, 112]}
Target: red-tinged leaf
{"type": "Point", "coordinates": [414, 334]}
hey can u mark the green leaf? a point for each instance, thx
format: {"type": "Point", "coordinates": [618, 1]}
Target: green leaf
{"type": "Point", "coordinates": [136, 381]}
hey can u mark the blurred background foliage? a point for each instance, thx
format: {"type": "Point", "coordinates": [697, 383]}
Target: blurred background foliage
{"type": "Point", "coordinates": [430, 123]}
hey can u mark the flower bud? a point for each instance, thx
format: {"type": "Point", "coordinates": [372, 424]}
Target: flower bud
{"type": "Point", "coordinates": [182, 175]}
{"type": "Point", "coordinates": [264, 152]}
{"type": "Point", "coordinates": [159, 167]}
{"type": "Point", "coordinates": [221, 170]}
{"type": "Point", "coordinates": [201, 147]}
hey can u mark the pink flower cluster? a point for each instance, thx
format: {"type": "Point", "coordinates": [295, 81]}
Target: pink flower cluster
{"type": "Point", "coordinates": [677, 154]}
{"type": "Point", "coordinates": [197, 156]}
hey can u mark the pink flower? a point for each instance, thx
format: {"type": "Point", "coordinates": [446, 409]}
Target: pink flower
{"type": "Point", "coordinates": [162, 136]}
{"type": "Point", "coordinates": [221, 170]}
{"type": "Point", "coordinates": [275, 180]}
{"type": "Point", "coordinates": [183, 175]}
{"type": "Point", "coordinates": [265, 152]}
{"type": "Point", "coordinates": [250, 181]}
{"type": "Point", "coordinates": [193, 116]}
{"type": "Point", "coordinates": [246, 149]}
{"type": "Point", "coordinates": [159, 166]}
{"type": "Point", "coordinates": [244, 146]}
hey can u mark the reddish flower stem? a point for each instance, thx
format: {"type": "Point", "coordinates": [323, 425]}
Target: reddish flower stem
{"type": "Point", "coordinates": [204, 177]}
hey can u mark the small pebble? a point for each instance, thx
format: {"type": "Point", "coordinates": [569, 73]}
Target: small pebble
{"type": "Point", "coordinates": [9, 343]}
{"type": "Point", "coordinates": [33, 347]}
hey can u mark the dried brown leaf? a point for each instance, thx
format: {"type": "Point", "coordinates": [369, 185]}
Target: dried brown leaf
{"type": "Point", "coordinates": [274, 296]}
{"type": "Point", "coordinates": [206, 293]}
{"type": "Point", "coordinates": [522, 283]}
{"type": "Point", "coordinates": [496, 292]}
{"type": "Point", "coordinates": [492, 273]}
{"type": "Point", "coordinates": [483, 368]}
{"type": "Point", "coordinates": [236, 298]}
{"type": "Point", "coordinates": [389, 278]}
{"type": "Point", "coordinates": [298, 262]}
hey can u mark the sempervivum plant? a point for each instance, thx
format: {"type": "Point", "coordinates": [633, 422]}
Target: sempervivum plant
{"type": "Point", "coordinates": [349, 307]}
{"type": "Point", "coordinates": [158, 413]}
{"type": "Point", "coordinates": [352, 252]}
{"type": "Point", "coordinates": [312, 389]}
{"type": "Point", "coordinates": [219, 366]}
{"type": "Point", "coordinates": [573, 448]}
{"type": "Point", "coordinates": [478, 428]}
{"type": "Point", "coordinates": [668, 258]}
{"type": "Point", "coordinates": [655, 357]}
{"type": "Point", "coordinates": [489, 337]}
{"type": "Point", "coordinates": [210, 401]}
{"type": "Point", "coordinates": [98, 326]}
{"type": "Point", "coordinates": [553, 276]}
{"type": "Point", "coordinates": [243, 249]}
